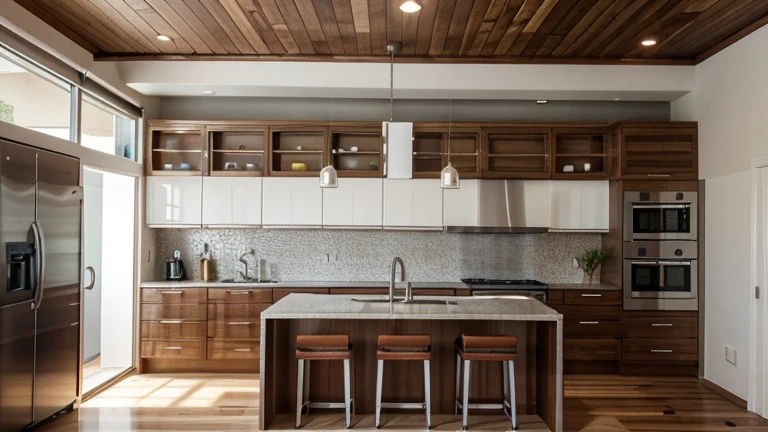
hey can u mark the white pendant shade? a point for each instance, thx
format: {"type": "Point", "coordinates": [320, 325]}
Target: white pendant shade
{"type": "Point", "coordinates": [449, 177]}
{"type": "Point", "coordinates": [329, 178]}
{"type": "Point", "coordinates": [410, 6]}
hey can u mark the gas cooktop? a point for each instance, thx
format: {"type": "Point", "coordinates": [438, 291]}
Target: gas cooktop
{"type": "Point", "coordinates": [505, 284]}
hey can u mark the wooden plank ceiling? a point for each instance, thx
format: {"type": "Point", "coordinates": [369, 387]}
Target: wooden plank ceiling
{"type": "Point", "coordinates": [480, 31]}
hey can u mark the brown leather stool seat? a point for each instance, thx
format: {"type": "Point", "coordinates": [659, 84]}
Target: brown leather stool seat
{"type": "Point", "coordinates": [394, 347]}
{"type": "Point", "coordinates": [322, 347]}
{"type": "Point", "coordinates": [404, 347]}
{"type": "Point", "coordinates": [487, 348]}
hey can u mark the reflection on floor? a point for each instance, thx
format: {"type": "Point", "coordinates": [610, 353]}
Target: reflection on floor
{"type": "Point", "coordinates": [230, 403]}
{"type": "Point", "coordinates": [94, 375]}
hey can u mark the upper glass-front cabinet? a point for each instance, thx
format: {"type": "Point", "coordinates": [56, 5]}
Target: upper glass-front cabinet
{"type": "Point", "coordinates": [175, 149]}
{"type": "Point", "coordinates": [237, 152]}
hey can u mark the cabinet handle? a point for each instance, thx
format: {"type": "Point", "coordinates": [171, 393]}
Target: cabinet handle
{"type": "Point", "coordinates": [171, 322]}
{"type": "Point", "coordinates": [176, 292]}
{"type": "Point", "coordinates": [242, 350]}
{"type": "Point", "coordinates": [589, 322]}
{"type": "Point", "coordinates": [239, 292]}
{"type": "Point", "coordinates": [74, 324]}
{"type": "Point", "coordinates": [174, 348]}
{"type": "Point", "coordinates": [660, 325]}
{"type": "Point", "coordinates": [664, 351]}
{"type": "Point", "coordinates": [659, 175]}
{"type": "Point", "coordinates": [591, 295]}
{"type": "Point", "coordinates": [240, 323]}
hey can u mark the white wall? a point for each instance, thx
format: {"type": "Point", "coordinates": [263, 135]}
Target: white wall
{"type": "Point", "coordinates": [731, 105]}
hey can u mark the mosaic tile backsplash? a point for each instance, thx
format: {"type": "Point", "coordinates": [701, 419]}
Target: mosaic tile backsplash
{"type": "Point", "coordinates": [337, 255]}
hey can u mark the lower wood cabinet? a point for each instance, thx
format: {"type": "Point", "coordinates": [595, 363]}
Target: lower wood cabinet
{"type": "Point", "coordinates": [661, 342]}
{"type": "Point", "coordinates": [661, 350]}
{"type": "Point", "coordinates": [592, 349]}
{"type": "Point", "coordinates": [173, 349]}
{"type": "Point", "coordinates": [232, 349]}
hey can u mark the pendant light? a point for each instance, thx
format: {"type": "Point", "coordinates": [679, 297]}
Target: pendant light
{"type": "Point", "coordinates": [449, 177]}
{"type": "Point", "coordinates": [329, 178]}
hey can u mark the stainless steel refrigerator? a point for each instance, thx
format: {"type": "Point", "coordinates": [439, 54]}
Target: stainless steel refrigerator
{"type": "Point", "coordinates": [40, 224]}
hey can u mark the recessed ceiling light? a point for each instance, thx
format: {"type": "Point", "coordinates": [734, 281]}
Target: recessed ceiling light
{"type": "Point", "coordinates": [410, 6]}
{"type": "Point", "coordinates": [209, 92]}
{"type": "Point", "coordinates": [163, 38]}
{"type": "Point", "coordinates": [541, 101]}
{"type": "Point", "coordinates": [649, 42]}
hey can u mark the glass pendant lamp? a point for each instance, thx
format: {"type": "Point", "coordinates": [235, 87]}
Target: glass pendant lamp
{"type": "Point", "coordinates": [329, 178]}
{"type": "Point", "coordinates": [449, 177]}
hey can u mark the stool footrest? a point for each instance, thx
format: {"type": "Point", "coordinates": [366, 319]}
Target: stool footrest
{"type": "Point", "coordinates": [404, 405]}
{"type": "Point", "coordinates": [326, 405]}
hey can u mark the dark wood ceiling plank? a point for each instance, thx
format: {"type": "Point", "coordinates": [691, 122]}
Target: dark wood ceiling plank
{"type": "Point", "coordinates": [617, 24]}
{"type": "Point", "coordinates": [394, 21]}
{"type": "Point", "coordinates": [203, 30]}
{"type": "Point", "coordinates": [345, 21]}
{"type": "Point", "coordinates": [181, 26]}
{"type": "Point", "coordinates": [377, 16]}
{"type": "Point", "coordinates": [327, 17]}
{"type": "Point", "coordinates": [475, 20]}
{"type": "Point", "coordinates": [508, 15]}
{"type": "Point", "coordinates": [254, 26]}
{"type": "Point", "coordinates": [581, 26]}
{"type": "Point", "coordinates": [541, 35]}
{"type": "Point", "coordinates": [723, 27]}
{"type": "Point", "coordinates": [410, 32]}
{"type": "Point", "coordinates": [58, 24]}
{"type": "Point", "coordinates": [700, 5]}
{"type": "Point", "coordinates": [426, 24]}
{"type": "Point", "coordinates": [96, 31]}
{"type": "Point", "coordinates": [312, 24]}
{"type": "Point", "coordinates": [489, 21]}
{"type": "Point", "coordinates": [275, 19]}
{"type": "Point", "coordinates": [634, 33]}
{"type": "Point", "coordinates": [732, 39]}
{"type": "Point", "coordinates": [523, 17]}
{"type": "Point", "coordinates": [103, 11]}
{"type": "Point", "coordinates": [667, 21]}
{"type": "Point", "coordinates": [362, 25]}
{"type": "Point", "coordinates": [144, 27]}
{"type": "Point", "coordinates": [212, 25]}
{"type": "Point", "coordinates": [564, 26]}
{"type": "Point", "coordinates": [160, 25]}
{"type": "Point", "coordinates": [457, 28]}
{"type": "Point", "coordinates": [608, 16]}
{"type": "Point", "coordinates": [440, 29]}
{"type": "Point", "coordinates": [296, 26]}
{"type": "Point", "coordinates": [226, 22]}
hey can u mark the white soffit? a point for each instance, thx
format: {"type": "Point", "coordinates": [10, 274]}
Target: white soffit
{"type": "Point", "coordinates": [412, 81]}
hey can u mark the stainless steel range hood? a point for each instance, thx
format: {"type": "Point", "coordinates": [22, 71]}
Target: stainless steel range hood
{"type": "Point", "coordinates": [511, 206]}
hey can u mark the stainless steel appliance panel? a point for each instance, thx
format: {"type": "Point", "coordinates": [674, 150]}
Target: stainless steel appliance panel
{"type": "Point", "coordinates": [661, 275]}
{"type": "Point", "coordinates": [57, 355]}
{"type": "Point", "coordinates": [17, 319]}
{"type": "Point", "coordinates": [660, 215]}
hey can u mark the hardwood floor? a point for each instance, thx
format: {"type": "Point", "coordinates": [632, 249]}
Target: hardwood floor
{"type": "Point", "coordinates": [230, 403]}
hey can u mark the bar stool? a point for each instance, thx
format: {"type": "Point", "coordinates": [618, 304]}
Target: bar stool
{"type": "Point", "coordinates": [322, 347]}
{"type": "Point", "coordinates": [486, 348]}
{"type": "Point", "coordinates": [392, 347]}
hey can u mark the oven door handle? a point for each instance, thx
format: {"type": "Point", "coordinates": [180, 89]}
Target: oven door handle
{"type": "Point", "coordinates": [646, 263]}
{"type": "Point", "coordinates": [661, 206]}
{"type": "Point", "coordinates": [675, 263]}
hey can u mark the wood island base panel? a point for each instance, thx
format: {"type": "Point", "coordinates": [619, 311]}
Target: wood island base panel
{"type": "Point", "coordinates": [538, 368]}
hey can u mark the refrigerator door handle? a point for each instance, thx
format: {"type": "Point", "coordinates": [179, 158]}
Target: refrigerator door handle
{"type": "Point", "coordinates": [93, 278]}
{"type": "Point", "coordinates": [39, 263]}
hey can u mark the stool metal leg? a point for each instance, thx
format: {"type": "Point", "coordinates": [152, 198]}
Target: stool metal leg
{"type": "Point", "coordinates": [428, 393]}
{"type": "Point", "coordinates": [347, 395]}
{"type": "Point", "coordinates": [299, 392]}
{"type": "Point", "coordinates": [307, 374]}
{"type": "Point", "coordinates": [458, 384]}
{"type": "Point", "coordinates": [505, 379]}
{"type": "Point", "coordinates": [465, 399]}
{"type": "Point", "coordinates": [512, 402]}
{"type": "Point", "coordinates": [379, 383]}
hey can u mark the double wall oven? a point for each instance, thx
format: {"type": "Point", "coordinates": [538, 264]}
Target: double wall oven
{"type": "Point", "coordinates": [660, 251]}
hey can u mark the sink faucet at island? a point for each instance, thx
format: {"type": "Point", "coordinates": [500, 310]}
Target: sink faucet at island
{"type": "Point", "coordinates": [392, 282]}
{"type": "Point", "coordinates": [245, 275]}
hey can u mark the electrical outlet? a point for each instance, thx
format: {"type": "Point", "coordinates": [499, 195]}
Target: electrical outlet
{"type": "Point", "coordinates": [731, 355]}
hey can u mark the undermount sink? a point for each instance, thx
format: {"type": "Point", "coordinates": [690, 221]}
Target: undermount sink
{"type": "Point", "coordinates": [413, 302]}
{"type": "Point", "coordinates": [248, 282]}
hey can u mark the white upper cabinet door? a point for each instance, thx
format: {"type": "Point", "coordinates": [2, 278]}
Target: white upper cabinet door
{"type": "Point", "coordinates": [174, 201]}
{"type": "Point", "coordinates": [580, 206]}
{"type": "Point", "coordinates": [460, 205]}
{"type": "Point", "coordinates": [413, 203]}
{"type": "Point", "coordinates": [231, 201]}
{"type": "Point", "coordinates": [292, 202]}
{"type": "Point", "coordinates": [357, 202]}
{"type": "Point", "coordinates": [537, 203]}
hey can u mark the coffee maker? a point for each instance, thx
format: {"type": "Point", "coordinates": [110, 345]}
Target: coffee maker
{"type": "Point", "coordinates": [174, 268]}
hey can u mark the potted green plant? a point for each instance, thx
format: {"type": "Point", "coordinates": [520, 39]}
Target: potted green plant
{"type": "Point", "coordinates": [590, 263]}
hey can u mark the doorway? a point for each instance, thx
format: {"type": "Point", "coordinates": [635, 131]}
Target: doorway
{"type": "Point", "coordinates": [108, 276]}
{"type": "Point", "coordinates": [758, 394]}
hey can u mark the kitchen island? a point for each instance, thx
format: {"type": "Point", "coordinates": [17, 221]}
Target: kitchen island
{"type": "Point", "coordinates": [539, 377]}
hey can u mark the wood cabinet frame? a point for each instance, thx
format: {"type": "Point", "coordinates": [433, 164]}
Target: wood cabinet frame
{"type": "Point", "coordinates": [235, 127]}
{"type": "Point", "coordinates": [166, 126]}
{"type": "Point", "coordinates": [544, 130]}
{"type": "Point", "coordinates": [365, 128]}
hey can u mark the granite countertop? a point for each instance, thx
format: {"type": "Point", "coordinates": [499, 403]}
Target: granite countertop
{"type": "Point", "coordinates": [342, 284]}
{"type": "Point", "coordinates": [314, 306]}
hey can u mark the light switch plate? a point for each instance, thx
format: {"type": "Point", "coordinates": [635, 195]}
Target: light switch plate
{"type": "Point", "coordinates": [731, 355]}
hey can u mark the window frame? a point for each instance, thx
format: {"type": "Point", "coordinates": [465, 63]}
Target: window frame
{"type": "Point", "coordinates": [100, 103]}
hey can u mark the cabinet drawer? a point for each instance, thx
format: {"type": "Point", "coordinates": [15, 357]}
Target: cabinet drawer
{"type": "Point", "coordinates": [162, 312]}
{"type": "Point", "coordinates": [172, 329]}
{"type": "Point", "coordinates": [173, 296]}
{"type": "Point", "coordinates": [240, 295]}
{"type": "Point", "coordinates": [593, 298]}
{"type": "Point", "coordinates": [592, 349]}
{"type": "Point", "coordinates": [661, 326]}
{"type": "Point", "coordinates": [222, 349]}
{"type": "Point", "coordinates": [236, 311]}
{"type": "Point", "coordinates": [245, 329]}
{"type": "Point", "coordinates": [590, 313]}
{"type": "Point", "coordinates": [432, 292]}
{"type": "Point", "coordinates": [278, 294]}
{"type": "Point", "coordinates": [575, 329]}
{"type": "Point", "coordinates": [667, 350]}
{"type": "Point", "coordinates": [554, 297]}
{"type": "Point", "coordinates": [186, 349]}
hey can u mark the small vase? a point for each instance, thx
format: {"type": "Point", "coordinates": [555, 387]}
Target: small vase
{"type": "Point", "coordinates": [594, 278]}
